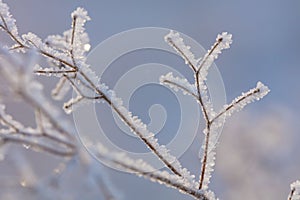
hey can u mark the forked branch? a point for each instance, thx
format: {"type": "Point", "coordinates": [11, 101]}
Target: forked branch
{"type": "Point", "coordinates": [200, 69]}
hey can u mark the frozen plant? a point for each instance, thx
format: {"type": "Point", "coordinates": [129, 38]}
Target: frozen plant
{"type": "Point", "coordinates": [66, 55]}
{"type": "Point", "coordinates": [214, 119]}
{"type": "Point", "coordinates": [295, 191]}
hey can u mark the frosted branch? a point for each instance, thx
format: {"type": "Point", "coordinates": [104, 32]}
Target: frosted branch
{"type": "Point", "coordinates": [8, 23]}
{"type": "Point", "coordinates": [223, 41]}
{"type": "Point", "coordinates": [79, 39]}
{"type": "Point", "coordinates": [52, 128]}
{"type": "Point", "coordinates": [240, 102]}
{"type": "Point", "coordinates": [140, 129]}
{"type": "Point", "coordinates": [61, 88]}
{"type": "Point", "coordinates": [177, 83]}
{"type": "Point", "coordinates": [66, 54]}
{"type": "Point", "coordinates": [295, 191]}
{"type": "Point", "coordinates": [90, 81]}
{"type": "Point", "coordinates": [199, 91]}
{"type": "Point", "coordinates": [142, 168]}
{"type": "Point", "coordinates": [175, 41]}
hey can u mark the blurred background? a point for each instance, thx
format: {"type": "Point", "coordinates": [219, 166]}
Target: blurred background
{"type": "Point", "coordinates": [258, 155]}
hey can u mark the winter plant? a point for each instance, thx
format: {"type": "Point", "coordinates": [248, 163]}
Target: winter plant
{"type": "Point", "coordinates": [53, 134]}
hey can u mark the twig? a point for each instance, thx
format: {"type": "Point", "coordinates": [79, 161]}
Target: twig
{"type": "Point", "coordinates": [100, 93]}
{"type": "Point", "coordinates": [182, 88]}
{"type": "Point", "coordinates": [37, 146]}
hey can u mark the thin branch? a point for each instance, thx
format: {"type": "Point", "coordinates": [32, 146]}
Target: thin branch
{"type": "Point", "coordinates": [145, 140]}
{"type": "Point", "coordinates": [54, 72]}
{"type": "Point", "coordinates": [72, 40]}
{"type": "Point", "coordinates": [200, 99]}
{"type": "Point", "coordinates": [203, 61]}
{"type": "Point", "coordinates": [205, 112]}
{"type": "Point", "coordinates": [196, 194]}
{"type": "Point", "coordinates": [207, 136]}
{"type": "Point", "coordinates": [53, 121]}
{"type": "Point", "coordinates": [291, 193]}
{"type": "Point", "coordinates": [37, 146]}
{"type": "Point", "coordinates": [234, 103]}
{"type": "Point", "coordinates": [7, 123]}
{"type": "Point", "coordinates": [39, 134]}
{"type": "Point", "coordinates": [108, 195]}
{"type": "Point", "coordinates": [170, 41]}
{"type": "Point", "coordinates": [5, 28]}
{"type": "Point", "coordinates": [182, 88]}
{"type": "Point", "coordinates": [140, 135]}
{"type": "Point", "coordinates": [100, 93]}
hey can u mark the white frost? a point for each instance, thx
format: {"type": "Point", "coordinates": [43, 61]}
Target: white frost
{"type": "Point", "coordinates": [139, 128]}
{"type": "Point", "coordinates": [295, 188]}
{"type": "Point", "coordinates": [178, 83]}
{"type": "Point", "coordinates": [223, 41]}
{"type": "Point", "coordinates": [240, 102]}
{"type": "Point", "coordinates": [175, 41]}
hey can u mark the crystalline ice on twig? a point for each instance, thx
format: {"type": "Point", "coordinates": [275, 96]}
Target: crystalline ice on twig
{"type": "Point", "coordinates": [36, 43]}
{"type": "Point", "coordinates": [61, 88]}
{"type": "Point", "coordinates": [142, 168]}
{"type": "Point", "coordinates": [210, 195]}
{"type": "Point", "coordinates": [7, 21]}
{"type": "Point", "coordinates": [139, 128]}
{"type": "Point", "coordinates": [177, 83]}
{"type": "Point", "coordinates": [240, 102]}
{"type": "Point", "coordinates": [295, 191]}
{"type": "Point", "coordinates": [59, 42]}
{"type": "Point", "coordinates": [214, 133]}
{"type": "Point", "coordinates": [77, 33]}
{"type": "Point", "coordinates": [223, 41]}
{"type": "Point", "coordinates": [175, 41]}
{"type": "Point", "coordinates": [82, 14]}
{"type": "Point", "coordinates": [8, 121]}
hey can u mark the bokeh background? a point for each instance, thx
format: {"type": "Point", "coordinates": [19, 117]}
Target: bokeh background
{"type": "Point", "coordinates": [258, 155]}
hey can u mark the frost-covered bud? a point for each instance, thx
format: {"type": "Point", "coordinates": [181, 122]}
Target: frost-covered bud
{"type": "Point", "coordinates": [223, 41]}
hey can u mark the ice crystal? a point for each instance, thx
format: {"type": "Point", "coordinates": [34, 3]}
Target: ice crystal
{"type": "Point", "coordinates": [240, 102]}
{"type": "Point", "coordinates": [223, 41]}
{"type": "Point", "coordinates": [61, 88]}
{"type": "Point", "coordinates": [295, 191]}
{"type": "Point", "coordinates": [178, 83]}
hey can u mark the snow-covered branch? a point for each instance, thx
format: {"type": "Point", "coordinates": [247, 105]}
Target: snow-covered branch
{"type": "Point", "coordinates": [141, 168]}
{"type": "Point", "coordinates": [212, 118]}
{"type": "Point", "coordinates": [295, 191]}
{"type": "Point", "coordinates": [240, 102]}
{"type": "Point", "coordinates": [52, 133]}
{"type": "Point", "coordinates": [177, 83]}
{"type": "Point", "coordinates": [66, 55]}
{"type": "Point", "coordinates": [89, 87]}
